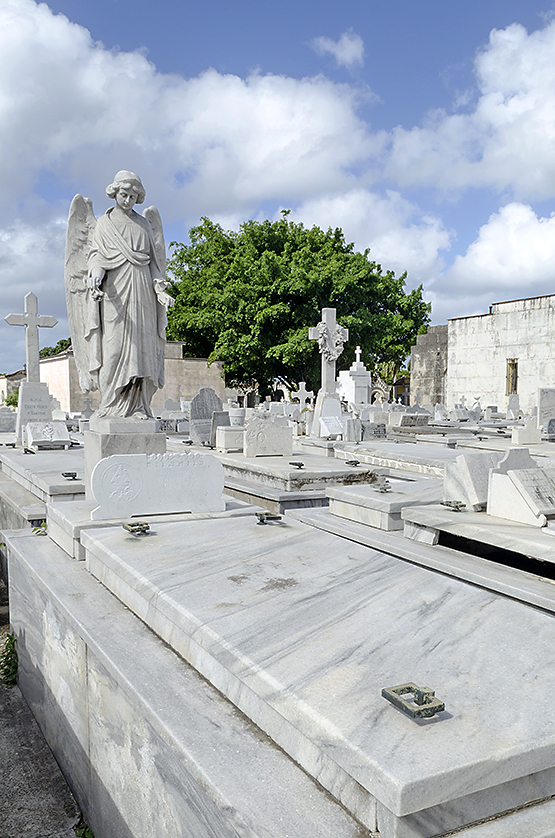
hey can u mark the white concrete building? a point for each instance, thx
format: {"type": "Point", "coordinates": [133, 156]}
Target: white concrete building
{"type": "Point", "coordinates": [511, 349]}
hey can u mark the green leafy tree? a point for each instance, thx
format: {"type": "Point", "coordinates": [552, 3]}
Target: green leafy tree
{"type": "Point", "coordinates": [61, 346]}
{"type": "Point", "coordinates": [12, 398]}
{"type": "Point", "coordinates": [248, 298]}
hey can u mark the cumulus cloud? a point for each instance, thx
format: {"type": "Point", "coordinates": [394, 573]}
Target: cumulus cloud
{"type": "Point", "coordinates": [348, 51]}
{"type": "Point", "coordinates": [211, 143]}
{"type": "Point", "coordinates": [507, 141]}
{"type": "Point", "coordinates": [512, 256]}
{"type": "Point", "coordinates": [31, 259]}
{"type": "Point", "coordinates": [398, 234]}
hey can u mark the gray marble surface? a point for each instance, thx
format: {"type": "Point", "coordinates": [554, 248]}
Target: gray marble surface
{"type": "Point", "coordinates": [414, 457]}
{"type": "Point", "coordinates": [41, 473]}
{"type": "Point", "coordinates": [302, 630]}
{"type": "Point", "coordinates": [278, 473]}
{"type": "Point", "coordinates": [150, 748]}
{"type": "Point", "coordinates": [488, 529]}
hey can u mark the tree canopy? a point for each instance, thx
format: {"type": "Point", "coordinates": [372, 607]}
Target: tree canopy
{"type": "Point", "coordinates": [248, 298]}
{"type": "Point", "coordinates": [61, 346]}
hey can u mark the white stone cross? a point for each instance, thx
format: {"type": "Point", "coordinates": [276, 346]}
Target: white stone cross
{"type": "Point", "coordinates": [303, 395]}
{"type": "Point", "coordinates": [331, 337]}
{"type": "Point", "coordinates": [358, 352]}
{"type": "Point", "coordinates": [32, 320]}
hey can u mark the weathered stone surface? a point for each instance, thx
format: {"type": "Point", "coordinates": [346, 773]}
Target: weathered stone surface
{"type": "Point", "coordinates": [137, 484]}
{"type": "Point", "coordinates": [263, 438]}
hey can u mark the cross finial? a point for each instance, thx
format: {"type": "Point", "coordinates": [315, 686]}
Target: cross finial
{"type": "Point", "coordinates": [358, 352]}
{"type": "Point", "coordinates": [31, 320]}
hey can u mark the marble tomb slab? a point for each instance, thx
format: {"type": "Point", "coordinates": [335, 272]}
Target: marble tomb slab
{"type": "Point", "coordinates": [275, 472]}
{"type": "Point", "coordinates": [151, 748]}
{"type": "Point", "coordinates": [41, 473]}
{"type": "Point", "coordinates": [502, 533]}
{"type": "Point", "coordinates": [369, 506]}
{"type": "Point", "coordinates": [414, 457]}
{"type": "Point", "coordinates": [65, 521]}
{"type": "Point", "coordinates": [302, 630]}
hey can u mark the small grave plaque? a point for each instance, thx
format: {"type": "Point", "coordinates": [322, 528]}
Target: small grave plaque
{"type": "Point", "coordinates": [200, 430]}
{"type": "Point", "coordinates": [331, 426]}
{"type": "Point", "coordinates": [537, 489]}
{"type": "Point", "coordinates": [414, 420]}
{"type": "Point", "coordinates": [47, 435]}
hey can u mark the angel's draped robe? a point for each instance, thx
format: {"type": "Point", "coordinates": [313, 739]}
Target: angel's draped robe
{"type": "Point", "coordinates": [127, 328]}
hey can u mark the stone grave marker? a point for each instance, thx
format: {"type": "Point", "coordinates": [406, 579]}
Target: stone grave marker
{"type": "Point", "coordinates": [264, 438]}
{"type": "Point", "coordinates": [331, 338]}
{"type": "Point", "coordinates": [126, 485]}
{"type": "Point", "coordinates": [7, 420]}
{"type": "Point", "coordinates": [546, 405]}
{"type": "Point", "coordinates": [220, 418]}
{"type": "Point", "coordinates": [331, 426]}
{"type": "Point", "coordinates": [34, 400]}
{"type": "Point", "coordinates": [467, 478]}
{"type": "Point", "coordinates": [373, 430]}
{"type": "Point", "coordinates": [352, 430]}
{"type": "Point", "coordinates": [509, 494]}
{"type": "Point", "coordinates": [203, 406]}
{"type": "Point", "coordinates": [528, 435]}
{"type": "Point", "coordinates": [47, 435]}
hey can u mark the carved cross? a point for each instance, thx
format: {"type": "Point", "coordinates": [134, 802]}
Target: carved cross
{"type": "Point", "coordinates": [303, 395]}
{"type": "Point", "coordinates": [31, 320]}
{"type": "Point", "coordinates": [358, 352]}
{"type": "Point", "coordinates": [331, 337]}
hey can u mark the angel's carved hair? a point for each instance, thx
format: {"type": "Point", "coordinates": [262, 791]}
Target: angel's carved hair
{"type": "Point", "coordinates": [126, 180]}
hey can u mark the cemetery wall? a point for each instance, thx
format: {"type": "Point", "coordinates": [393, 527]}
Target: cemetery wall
{"type": "Point", "coordinates": [428, 367]}
{"type": "Point", "coordinates": [184, 378]}
{"type": "Point", "coordinates": [480, 347]}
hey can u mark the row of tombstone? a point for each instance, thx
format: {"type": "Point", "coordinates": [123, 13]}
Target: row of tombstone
{"type": "Point", "coordinates": [510, 485]}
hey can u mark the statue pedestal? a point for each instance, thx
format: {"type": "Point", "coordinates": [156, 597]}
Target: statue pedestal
{"type": "Point", "coordinates": [118, 435]}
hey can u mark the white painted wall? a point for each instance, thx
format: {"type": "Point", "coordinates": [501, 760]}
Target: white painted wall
{"type": "Point", "coordinates": [478, 349]}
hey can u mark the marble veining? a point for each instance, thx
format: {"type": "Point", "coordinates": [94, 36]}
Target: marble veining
{"type": "Point", "coordinates": [302, 624]}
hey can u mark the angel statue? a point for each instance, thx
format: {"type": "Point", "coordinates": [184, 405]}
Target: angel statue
{"type": "Point", "coordinates": [116, 298]}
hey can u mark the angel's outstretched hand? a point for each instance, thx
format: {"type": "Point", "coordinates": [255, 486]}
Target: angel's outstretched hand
{"type": "Point", "coordinates": [159, 289]}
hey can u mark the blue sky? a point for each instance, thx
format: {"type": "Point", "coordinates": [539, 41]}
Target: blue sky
{"type": "Point", "coordinates": [425, 130]}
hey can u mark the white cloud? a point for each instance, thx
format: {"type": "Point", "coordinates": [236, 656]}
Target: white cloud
{"type": "Point", "coordinates": [31, 259]}
{"type": "Point", "coordinates": [212, 143]}
{"type": "Point", "coordinates": [398, 234]}
{"type": "Point", "coordinates": [348, 51]}
{"type": "Point", "coordinates": [508, 140]}
{"type": "Point", "coordinates": [513, 256]}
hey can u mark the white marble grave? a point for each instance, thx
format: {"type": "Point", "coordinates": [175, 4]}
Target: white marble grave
{"type": "Point", "coordinates": [264, 438]}
{"type": "Point", "coordinates": [126, 485]}
{"type": "Point", "coordinates": [467, 478]}
{"type": "Point", "coordinates": [47, 435]}
{"type": "Point", "coordinates": [520, 491]}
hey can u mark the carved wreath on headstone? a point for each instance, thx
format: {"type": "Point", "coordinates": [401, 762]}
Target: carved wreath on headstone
{"type": "Point", "coordinates": [331, 343]}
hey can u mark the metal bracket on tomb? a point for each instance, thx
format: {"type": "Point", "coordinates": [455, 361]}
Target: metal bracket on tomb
{"type": "Point", "coordinates": [425, 702]}
{"type": "Point", "coordinates": [29, 451]}
{"type": "Point", "coordinates": [382, 484]}
{"type": "Point", "coordinates": [297, 465]}
{"type": "Point", "coordinates": [264, 517]}
{"type": "Point", "coordinates": [69, 475]}
{"type": "Point", "coordinates": [455, 505]}
{"type": "Point", "coordinates": [9, 444]}
{"type": "Point", "coordinates": [352, 462]}
{"type": "Point", "coordinates": [187, 441]}
{"type": "Point", "coordinates": [137, 527]}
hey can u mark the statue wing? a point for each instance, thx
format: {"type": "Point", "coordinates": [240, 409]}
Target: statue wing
{"type": "Point", "coordinates": [153, 217]}
{"type": "Point", "coordinates": [80, 228]}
